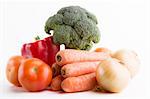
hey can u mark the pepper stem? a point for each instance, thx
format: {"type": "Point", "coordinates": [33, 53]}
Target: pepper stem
{"type": "Point", "coordinates": [37, 38]}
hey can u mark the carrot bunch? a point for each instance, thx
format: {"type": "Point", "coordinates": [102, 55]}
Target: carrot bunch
{"type": "Point", "coordinates": [74, 70]}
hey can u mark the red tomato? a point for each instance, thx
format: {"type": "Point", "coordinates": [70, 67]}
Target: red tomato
{"type": "Point", "coordinates": [12, 69]}
{"type": "Point", "coordinates": [34, 74]}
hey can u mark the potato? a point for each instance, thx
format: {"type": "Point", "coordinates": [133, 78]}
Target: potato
{"type": "Point", "coordinates": [112, 75]}
{"type": "Point", "coordinates": [129, 59]}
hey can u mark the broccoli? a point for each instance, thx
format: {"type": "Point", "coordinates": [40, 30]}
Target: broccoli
{"type": "Point", "coordinates": [74, 27]}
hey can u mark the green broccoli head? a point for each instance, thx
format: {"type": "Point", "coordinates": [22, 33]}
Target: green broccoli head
{"type": "Point", "coordinates": [74, 27]}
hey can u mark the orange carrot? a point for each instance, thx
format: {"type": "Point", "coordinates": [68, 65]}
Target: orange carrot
{"type": "Point", "coordinates": [56, 83]}
{"type": "Point", "coordinates": [78, 68]}
{"type": "Point", "coordinates": [80, 83]}
{"type": "Point", "coordinates": [70, 55]}
{"type": "Point", "coordinates": [56, 69]}
{"type": "Point", "coordinates": [102, 49]}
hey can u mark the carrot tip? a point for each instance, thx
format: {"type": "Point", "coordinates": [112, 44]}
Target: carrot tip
{"type": "Point", "coordinates": [59, 58]}
{"type": "Point", "coordinates": [63, 72]}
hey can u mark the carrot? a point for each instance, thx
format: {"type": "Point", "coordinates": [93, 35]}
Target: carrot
{"type": "Point", "coordinates": [56, 83]}
{"type": "Point", "coordinates": [70, 55]}
{"type": "Point", "coordinates": [78, 68]}
{"type": "Point", "coordinates": [80, 83]}
{"type": "Point", "coordinates": [102, 49]}
{"type": "Point", "coordinates": [56, 69]}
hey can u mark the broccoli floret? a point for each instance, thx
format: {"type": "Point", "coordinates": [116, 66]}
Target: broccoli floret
{"type": "Point", "coordinates": [74, 27]}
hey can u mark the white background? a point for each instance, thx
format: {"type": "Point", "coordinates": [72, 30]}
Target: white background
{"type": "Point", "coordinates": [123, 24]}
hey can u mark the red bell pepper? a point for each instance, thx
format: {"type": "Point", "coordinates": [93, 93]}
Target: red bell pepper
{"type": "Point", "coordinates": [43, 49]}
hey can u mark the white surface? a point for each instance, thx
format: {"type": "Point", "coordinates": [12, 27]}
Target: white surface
{"type": "Point", "coordinates": [123, 24]}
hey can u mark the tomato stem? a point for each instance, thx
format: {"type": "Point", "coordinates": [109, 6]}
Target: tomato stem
{"type": "Point", "coordinates": [35, 69]}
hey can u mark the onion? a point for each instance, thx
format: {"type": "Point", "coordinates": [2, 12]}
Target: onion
{"type": "Point", "coordinates": [112, 75]}
{"type": "Point", "coordinates": [129, 59]}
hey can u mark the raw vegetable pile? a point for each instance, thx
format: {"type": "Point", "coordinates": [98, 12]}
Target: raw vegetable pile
{"type": "Point", "coordinates": [42, 65]}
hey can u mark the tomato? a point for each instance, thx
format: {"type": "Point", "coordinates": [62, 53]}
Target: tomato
{"type": "Point", "coordinates": [12, 69]}
{"type": "Point", "coordinates": [34, 74]}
